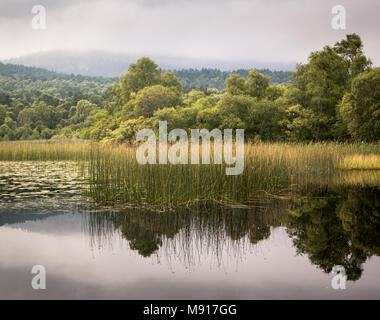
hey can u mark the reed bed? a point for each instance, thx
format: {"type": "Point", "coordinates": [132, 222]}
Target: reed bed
{"type": "Point", "coordinates": [44, 150]}
{"type": "Point", "coordinates": [361, 162]}
{"type": "Point", "coordinates": [276, 169]}
{"type": "Point", "coordinates": [114, 176]}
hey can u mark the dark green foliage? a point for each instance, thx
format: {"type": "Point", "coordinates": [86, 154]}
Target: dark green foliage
{"type": "Point", "coordinates": [194, 79]}
{"type": "Point", "coordinates": [360, 108]}
{"type": "Point", "coordinates": [335, 96]}
{"type": "Point", "coordinates": [38, 104]}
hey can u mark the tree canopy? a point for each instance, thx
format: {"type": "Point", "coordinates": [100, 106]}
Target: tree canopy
{"type": "Point", "coordinates": [334, 96]}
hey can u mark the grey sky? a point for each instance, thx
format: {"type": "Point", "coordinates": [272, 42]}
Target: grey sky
{"type": "Point", "coordinates": [261, 30]}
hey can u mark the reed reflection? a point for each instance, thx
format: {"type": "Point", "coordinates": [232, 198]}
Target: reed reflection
{"type": "Point", "coordinates": [331, 228]}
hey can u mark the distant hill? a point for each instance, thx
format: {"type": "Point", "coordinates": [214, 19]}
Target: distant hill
{"type": "Point", "coordinates": [109, 64]}
{"type": "Point", "coordinates": [192, 73]}
{"type": "Point", "coordinates": [21, 72]}
{"type": "Point", "coordinates": [27, 83]}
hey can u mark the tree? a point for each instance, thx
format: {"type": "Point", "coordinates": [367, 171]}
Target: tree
{"type": "Point", "coordinates": [3, 113]}
{"type": "Point", "coordinates": [301, 124]}
{"type": "Point", "coordinates": [260, 118]}
{"type": "Point", "coordinates": [171, 115]}
{"type": "Point", "coordinates": [6, 133]}
{"type": "Point", "coordinates": [46, 115]}
{"type": "Point", "coordinates": [264, 121]}
{"type": "Point", "coordinates": [257, 84]}
{"type": "Point", "coordinates": [170, 80]}
{"type": "Point", "coordinates": [236, 85]}
{"type": "Point", "coordinates": [322, 82]}
{"type": "Point", "coordinates": [275, 92]}
{"type": "Point", "coordinates": [360, 109]}
{"type": "Point", "coordinates": [153, 98]}
{"type": "Point", "coordinates": [209, 118]}
{"type": "Point", "coordinates": [48, 99]}
{"type": "Point", "coordinates": [27, 117]}
{"type": "Point", "coordinates": [194, 96]}
{"type": "Point", "coordinates": [351, 49]}
{"type": "Point", "coordinates": [319, 87]}
{"type": "Point", "coordinates": [236, 106]}
{"type": "Point", "coordinates": [81, 111]}
{"type": "Point", "coordinates": [143, 74]}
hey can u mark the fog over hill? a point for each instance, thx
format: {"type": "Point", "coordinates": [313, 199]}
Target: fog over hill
{"type": "Point", "coordinates": [108, 64]}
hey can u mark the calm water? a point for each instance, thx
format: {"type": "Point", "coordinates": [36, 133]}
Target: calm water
{"type": "Point", "coordinates": [273, 250]}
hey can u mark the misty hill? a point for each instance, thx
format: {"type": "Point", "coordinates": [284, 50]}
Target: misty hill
{"type": "Point", "coordinates": [21, 72]}
{"type": "Point", "coordinates": [194, 74]}
{"type": "Point", "coordinates": [20, 86]}
{"type": "Point", "coordinates": [109, 64]}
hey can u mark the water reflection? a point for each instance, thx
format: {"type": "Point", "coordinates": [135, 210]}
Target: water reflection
{"type": "Point", "coordinates": [329, 226]}
{"type": "Point", "coordinates": [187, 234]}
{"type": "Point", "coordinates": [337, 229]}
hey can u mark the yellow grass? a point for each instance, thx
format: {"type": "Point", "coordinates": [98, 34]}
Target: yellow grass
{"type": "Point", "coordinates": [361, 162]}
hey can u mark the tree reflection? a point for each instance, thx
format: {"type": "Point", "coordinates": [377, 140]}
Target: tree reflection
{"type": "Point", "coordinates": [340, 227]}
{"type": "Point", "coordinates": [337, 229]}
{"type": "Point", "coordinates": [146, 231]}
{"type": "Point", "coordinates": [360, 215]}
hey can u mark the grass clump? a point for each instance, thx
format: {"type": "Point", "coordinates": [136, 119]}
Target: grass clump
{"type": "Point", "coordinates": [270, 169]}
{"type": "Point", "coordinates": [361, 162]}
{"type": "Point", "coordinates": [114, 176]}
{"type": "Point", "coordinates": [44, 150]}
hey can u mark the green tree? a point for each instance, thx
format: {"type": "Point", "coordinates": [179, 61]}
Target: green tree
{"type": "Point", "coordinates": [81, 111]}
{"type": "Point", "coordinates": [360, 109]}
{"type": "Point", "coordinates": [320, 86]}
{"type": "Point", "coordinates": [3, 113]}
{"type": "Point", "coordinates": [236, 85]}
{"type": "Point", "coordinates": [26, 117]}
{"type": "Point", "coordinates": [47, 115]}
{"type": "Point", "coordinates": [193, 96]}
{"type": "Point", "coordinates": [258, 84]}
{"type": "Point", "coordinates": [209, 118]}
{"type": "Point", "coordinates": [171, 115]}
{"type": "Point", "coordinates": [275, 92]}
{"type": "Point", "coordinates": [48, 99]}
{"type": "Point", "coordinates": [170, 80]}
{"type": "Point", "coordinates": [264, 121]}
{"type": "Point", "coordinates": [351, 49]}
{"type": "Point", "coordinates": [301, 124]}
{"type": "Point", "coordinates": [153, 98]}
{"type": "Point", "coordinates": [238, 106]}
{"type": "Point", "coordinates": [142, 74]}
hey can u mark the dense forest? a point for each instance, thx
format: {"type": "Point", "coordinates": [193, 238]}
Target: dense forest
{"type": "Point", "coordinates": [214, 78]}
{"type": "Point", "coordinates": [334, 96]}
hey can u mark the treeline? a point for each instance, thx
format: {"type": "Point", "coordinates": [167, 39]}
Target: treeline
{"type": "Point", "coordinates": [194, 79]}
{"type": "Point", "coordinates": [334, 96]}
{"type": "Point", "coordinates": [20, 72]}
{"type": "Point", "coordinates": [38, 104]}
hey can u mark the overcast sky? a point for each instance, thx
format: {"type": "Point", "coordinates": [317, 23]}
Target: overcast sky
{"type": "Point", "coordinates": [261, 30]}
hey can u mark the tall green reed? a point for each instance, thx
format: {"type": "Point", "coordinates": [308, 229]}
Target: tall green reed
{"type": "Point", "coordinates": [113, 175]}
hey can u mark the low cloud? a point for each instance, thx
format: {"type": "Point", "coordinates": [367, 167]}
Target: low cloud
{"type": "Point", "coordinates": [273, 31]}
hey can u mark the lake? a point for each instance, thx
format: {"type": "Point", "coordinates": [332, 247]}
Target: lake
{"type": "Point", "coordinates": [271, 249]}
